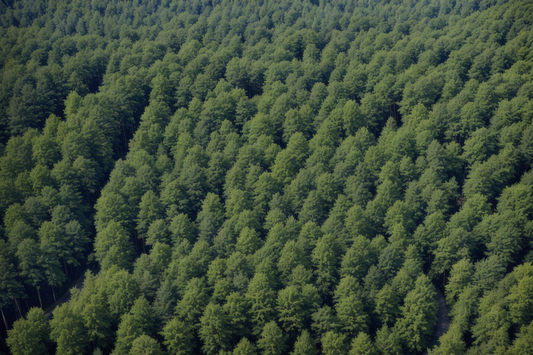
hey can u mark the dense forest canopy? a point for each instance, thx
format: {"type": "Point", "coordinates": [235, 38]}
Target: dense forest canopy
{"type": "Point", "coordinates": [266, 177]}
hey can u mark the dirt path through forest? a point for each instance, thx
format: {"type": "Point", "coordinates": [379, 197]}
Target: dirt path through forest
{"type": "Point", "coordinates": [78, 283]}
{"type": "Point", "coordinates": [443, 321]}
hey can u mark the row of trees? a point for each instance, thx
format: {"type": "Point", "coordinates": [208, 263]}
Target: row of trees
{"type": "Point", "coordinates": [266, 178]}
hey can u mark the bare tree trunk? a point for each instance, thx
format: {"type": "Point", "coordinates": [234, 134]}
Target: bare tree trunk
{"type": "Point", "coordinates": [18, 307]}
{"type": "Point", "coordinates": [39, 294]}
{"type": "Point", "coordinates": [65, 265]}
{"type": "Point", "coordinates": [4, 317]}
{"type": "Point", "coordinates": [54, 293]}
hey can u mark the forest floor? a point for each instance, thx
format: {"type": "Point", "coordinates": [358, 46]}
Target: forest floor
{"type": "Point", "coordinates": [443, 321]}
{"type": "Point", "coordinates": [78, 283]}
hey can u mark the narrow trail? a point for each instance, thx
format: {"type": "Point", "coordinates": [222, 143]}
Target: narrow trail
{"type": "Point", "coordinates": [443, 321]}
{"type": "Point", "coordinates": [78, 283]}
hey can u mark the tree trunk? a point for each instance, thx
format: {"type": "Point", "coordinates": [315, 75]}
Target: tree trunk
{"type": "Point", "coordinates": [54, 293]}
{"type": "Point", "coordinates": [4, 317]}
{"type": "Point", "coordinates": [39, 294]}
{"type": "Point", "coordinates": [18, 307]}
{"type": "Point", "coordinates": [65, 265]}
{"type": "Point", "coordinates": [136, 241]}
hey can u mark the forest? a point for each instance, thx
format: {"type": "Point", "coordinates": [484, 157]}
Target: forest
{"type": "Point", "coordinates": [230, 177]}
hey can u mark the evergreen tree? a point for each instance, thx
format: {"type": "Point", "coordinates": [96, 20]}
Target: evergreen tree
{"type": "Point", "coordinates": [273, 167]}
{"type": "Point", "coordinates": [137, 322]}
{"type": "Point", "coordinates": [145, 345]}
{"type": "Point", "coordinates": [97, 319]}
{"type": "Point", "coordinates": [113, 247]}
{"type": "Point", "coordinates": [305, 345]}
{"type": "Point", "coordinates": [68, 331]}
{"type": "Point", "coordinates": [419, 315]}
{"type": "Point", "coordinates": [245, 347]}
{"type": "Point", "coordinates": [272, 340]}
{"type": "Point", "coordinates": [179, 337]}
{"type": "Point", "coordinates": [214, 330]}
{"type": "Point", "coordinates": [30, 335]}
{"type": "Point", "coordinates": [334, 343]}
{"type": "Point", "coordinates": [261, 297]}
{"type": "Point", "coordinates": [362, 345]}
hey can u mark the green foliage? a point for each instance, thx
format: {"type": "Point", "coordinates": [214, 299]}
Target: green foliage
{"type": "Point", "coordinates": [362, 345]}
{"type": "Point", "coordinates": [460, 278]}
{"type": "Point", "coordinates": [305, 345]}
{"type": "Point", "coordinates": [179, 338]}
{"type": "Point", "coordinates": [261, 298]}
{"type": "Point", "coordinates": [277, 174]}
{"type": "Point", "coordinates": [450, 343]}
{"type": "Point", "coordinates": [520, 301]}
{"type": "Point", "coordinates": [334, 343]}
{"type": "Point", "coordinates": [272, 340]}
{"type": "Point", "coordinates": [68, 331]}
{"type": "Point", "coordinates": [30, 335]}
{"type": "Point", "coordinates": [137, 322]}
{"type": "Point", "coordinates": [419, 315]}
{"type": "Point", "coordinates": [245, 347]}
{"type": "Point", "coordinates": [145, 345]}
{"type": "Point", "coordinates": [113, 247]}
{"type": "Point", "coordinates": [214, 330]}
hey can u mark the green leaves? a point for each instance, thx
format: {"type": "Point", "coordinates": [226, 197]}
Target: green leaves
{"type": "Point", "coordinates": [291, 172]}
{"type": "Point", "coordinates": [272, 340]}
{"type": "Point", "coordinates": [138, 321]}
{"type": "Point", "coordinates": [214, 329]}
{"type": "Point", "coordinates": [419, 315]}
{"type": "Point", "coordinates": [30, 335]}
{"type": "Point", "coordinates": [68, 331]}
{"type": "Point", "coordinates": [179, 337]}
{"type": "Point", "coordinates": [113, 247]}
